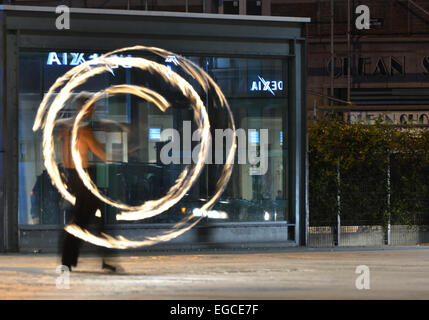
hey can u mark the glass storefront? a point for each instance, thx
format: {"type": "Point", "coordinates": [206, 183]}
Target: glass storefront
{"type": "Point", "coordinates": [133, 132]}
{"type": "Point", "coordinates": [259, 64]}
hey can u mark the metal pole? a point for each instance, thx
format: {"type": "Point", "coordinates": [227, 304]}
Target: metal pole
{"type": "Point", "coordinates": [314, 110]}
{"type": "Point", "coordinates": [266, 8]}
{"type": "Point", "coordinates": [388, 198]}
{"type": "Point", "coordinates": [349, 60]}
{"type": "Point", "coordinates": [242, 9]}
{"type": "Point", "coordinates": [338, 204]}
{"type": "Point", "coordinates": [332, 50]}
{"type": "Point", "coordinates": [220, 7]}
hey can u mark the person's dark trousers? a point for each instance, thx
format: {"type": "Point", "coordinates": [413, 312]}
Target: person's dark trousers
{"type": "Point", "coordinates": [82, 214]}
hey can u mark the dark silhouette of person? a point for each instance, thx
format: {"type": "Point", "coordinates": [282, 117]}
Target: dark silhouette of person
{"type": "Point", "coordinates": [87, 204]}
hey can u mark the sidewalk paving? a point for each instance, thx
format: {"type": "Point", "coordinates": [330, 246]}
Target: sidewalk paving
{"type": "Point", "coordinates": [396, 273]}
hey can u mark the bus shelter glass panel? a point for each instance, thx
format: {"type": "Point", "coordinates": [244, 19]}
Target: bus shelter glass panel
{"type": "Point", "coordinates": [147, 149]}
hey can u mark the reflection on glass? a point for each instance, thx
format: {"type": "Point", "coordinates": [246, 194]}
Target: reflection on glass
{"type": "Point", "coordinates": [133, 134]}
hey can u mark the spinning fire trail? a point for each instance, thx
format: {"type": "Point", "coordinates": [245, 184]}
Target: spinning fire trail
{"type": "Point", "coordinates": [51, 106]}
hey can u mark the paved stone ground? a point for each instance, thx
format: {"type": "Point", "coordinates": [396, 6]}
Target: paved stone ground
{"type": "Point", "coordinates": [396, 273]}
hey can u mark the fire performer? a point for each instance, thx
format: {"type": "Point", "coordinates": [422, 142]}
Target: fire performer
{"type": "Point", "coordinates": [86, 204]}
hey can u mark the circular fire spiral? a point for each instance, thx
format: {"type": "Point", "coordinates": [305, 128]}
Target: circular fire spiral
{"type": "Point", "coordinates": [46, 120]}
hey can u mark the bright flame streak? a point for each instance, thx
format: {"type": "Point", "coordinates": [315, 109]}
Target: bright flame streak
{"type": "Point", "coordinates": [58, 103]}
{"type": "Point", "coordinates": [48, 141]}
{"type": "Point", "coordinates": [79, 75]}
{"type": "Point", "coordinates": [183, 184]}
{"type": "Point", "coordinates": [200, 75]}
{"type": "Point", "coordinates": [123, 243]}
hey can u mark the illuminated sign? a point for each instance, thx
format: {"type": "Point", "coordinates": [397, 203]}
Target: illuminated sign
{"type": "Point", "coordinates": [266, 85]}
{"type": "Point", "coordinates": [155, 134]}
{"type": "Point", "coordinates": [73, 58]}
{"type": "Point", "coordinates": [254, 137]}
{"type": "Point", "coordinates": [390, 117]}
{"type": "Point", "coordinates": [173, 59]}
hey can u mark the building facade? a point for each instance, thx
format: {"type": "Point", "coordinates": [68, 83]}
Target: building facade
{"type": "Point", "coordinates": [380, 69]}
{"type": "Point", "coordinates": [258, 62]}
